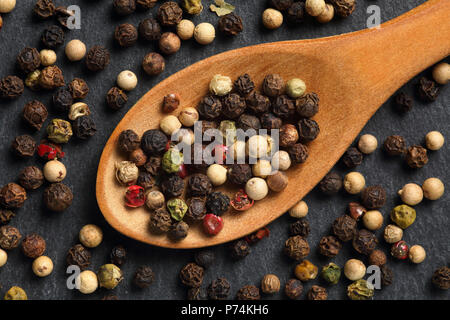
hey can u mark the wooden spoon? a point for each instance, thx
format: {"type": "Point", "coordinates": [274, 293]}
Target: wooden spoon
{"type": "Point", "coordinates": [354, 74]}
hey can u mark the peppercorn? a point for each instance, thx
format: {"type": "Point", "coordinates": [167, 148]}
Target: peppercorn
{"type": "Point", "coordinates": [354, 182]}
{"type": "Point", "coordinates": [300, 228]}
{"type": "Point", "coordinates": [51, 78]}
{"type": "Point", "coordinates": [354, 269]}
{"type": "Point", "coordinates": [281, 5]}
{"type": "Point", "coordinates": [33, 246]}
{"type": "Point", "coordinates": [109, 276]}
{"type": "Point", "coordinates": [79, 256]}
{"type": "Point", "coordinates": [306, 271]}
{"type": "Point", "coordinates": [331, 183]}
{"type": "Point", "coordinates": [296, 248]}
{"type": "Point", "coordinates": [269, 121]}
{"type": "Point", "coordinates": [400, 250]}
{"type": "Point", "coordinates": [78, 88]}
{"type": "Point", "coordinates": [193, 7]}
{"type": "Point", "coordinates": [24, 146]}
{"type": "Point", "coordinates": [50, 151]}
{"type": "Point", "coordinates": [9, 237]}
{"type": "Point", "coordinates": [283, 107]}
{"type": "Point", "coordinates": [248, 122]}
{"type": "Point", "coordinates": [63, 15]}
{"type": "Point", "coordinates": [199, 185]}
{"type": "Point", "coordinates": [441, 73]}
{"type": "Point", "coordinates": [118, 255]}
{"type": "Point", "coordinates": [433, 188]}
{"type": "Point", "coordinates": [403, 216]}
{"type": "Point", "coordinates": [32, 80]}
{"type": "Point", "coordinates": [153, 142]}
{"type": "Point", "coordinates": [217, 203]}
{"type": "Point", "coordinates": [153, 64]}
{"type": "Point", "coordinates": [240, 249]}
{"type": "Point", "coordinates": [210, 107]}
{"type": "Point", "coordinates": [177, 208]}
{"type": "Point", "coordinates": [169, 43]}
{"type": "Point", "coordinates": [441, 278]}
{"type": "Point", "coordinates": [126, 35]}
{"type": "Point", "coordinates": [356, 210]}
{"type": "Point", "coordinates": [138, 157]}
{"type": "Point", "coordinates": [373, 220]}
{"type": "Point", "coordinates": [212, 224]}
{"type": "Point", "coordinates": [196, 208]}
{"type": "Point", "coordinates": [62, 100]}
{"type": "Point", "coordinates": [144, 277]}
{"type": "Point", "coordinates": [197, 294]}
{"type": "Point", "coordinates": [172, 186]}
{"type": "Point", "coordinates": [288, 135]}
{"type": "Point", "coordinates": [344, 8]}
{"type": "Point", "coordinates": [233, 106]}
{"type": "Point", "coordinates": [403, 102]}
{"type": "Point", "coordinates": [205, 258]}
{"type": "Point", "coordinates": [377, 258]}
{"type": "Point", "coordinates": [31, 178]}
{"type": "Point", "coordinates": [12, 196]}
{"type": "Point", "coordinates": [153, 165]}
{"type": "Point", "coordinates": [191, 275]}
{"type": "Point", "coordinates": [52, 37]}
{"type": "Point", "coordinates": [392, 233]}
{"type": "Point", "coordinates": [428, 90]}
{"type": "Point", "coordinates": [124, 7]}
{"type": "Point", "coordinates": [298, 153]}
{"type": "Point", "coordinates": [373, 197]}
{"type": "Point", "coordinates": [230, 24]}
{"type": "Point", "coordinates": [160, 220]}
{"type": "Point", "coordinates": [352, 157]}
{"type": "Point", "coordinates": [146, 4]}
{"type": "Point", "coordinates": [327, 15]}
{"type": "Point", "coordinates": [331, 273]}
{"type": "Point", "coordinates": [250, 292]}
{"type": "Point", "coordinates": [3, 257]}
{"type": "Point", "coordinates": [387, 276]}
{"type": "Point", "coordinates": [270, 284]}
{"type": "Point", "coordinates": [219, 289]}
{"type": "Point", "coordinates": [59, 131]}
{"type": "Point", "coordinates": [110, 296]}
{"type": "Point", "coordinates": [170, 14]}
{"type": "Point", "coordinates": [172, 160]}
{"type": "Point", "coordinates": [128, 141]}
{"type": "Point", "coordinates": [395, 145]}
{"type": "Point", "coordinates": [58, 197]}
{"type": "Point", "coordinates": [308, 105]}
{"type": "Point", "coordinates": [44, 9]}
{"type": "Point", "coordinates": [416, 157]}
{"type": "Point", "coordinates": [293, 289]}
{"type": "Point", "coordinates": [6, 216]}
{"type": "Point", "coordinates": [97, 58]}
{"type": "Point", "coordinates": [28, 60]}
{"type": "Point", "coordinates": [239, 173]}
{"type": "Point", "coordinates": [344, 227]}
{"type": "Point", "coordinates": [295, 14]}
{"type": "Point", "coordinates": [434, 140]}
{"type": "Point", "coordinates": [15, 293]}
{"type": "Point", "coordinates": [364, 241]}
{"type": "Point", "coordinates": [116, 98]}
{"type": "Point", "coordinates": [317, 293]}
{"type": "Point", "coordinates": [11, 87]}
{"type": "Point", "coordinates": [149, 29]}
{"type": "Point", "coordinates": [35, 113]}
{"type": "Point", "coordinates": [88, 281]}
{"type": "Point", "coordinates": [255, 101]}
{"type": "Point", "coordinates": [84, 127]}
{"type": "Point", "coordinates": [329, 246]}
{"type": "Point", "coordinates": [273, 85]}
{"type": "Point", "coordinates": [360, 289]}
{"type": "Point", "coordinates": [308, 130]}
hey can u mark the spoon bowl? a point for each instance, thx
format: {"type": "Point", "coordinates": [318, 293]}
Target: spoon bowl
{"type": "Point", "coordinates": [353, 74]}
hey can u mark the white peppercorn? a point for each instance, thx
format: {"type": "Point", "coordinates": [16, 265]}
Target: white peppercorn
{"type": "Point", "coordinates": [441, 73]}
{"type": "Point", "coordinates": [91, 236]}
{"type": "Point", "coordinates": [354, 269]}
{"type": "Point", "coordinates": [75, 50]}
{"type": "Point", "coordinates": [281, 160]}
{"type": "Point", "coordinates": [354, 182]}
{"type": "Point", "coordinates": [185, 29]}
{"type": "Point", "coordinates": [434, 140]}
{"type": "Point", "coordinates": [373, 220]}
{"type": "Point", "coordinates": [170, 124]}
{"type": "Point", "coordinates": [272, 19]}
{"type": "Point", "coordinates": [327, 15]}
{"type": "Point", "coordinates": [155, 200]}
{"type": "Point", "coordinates": [411, 194]}
{"type": "Point", "coordinates": [433, 188]}
{"type": "Point", "coordinates": [188, 116]}
{"type": "Point", "coordinates": [42, 266]}
{"type": "Point", "coordinates": [127, 80]}
{"type": "Point", "coordinates": [220, 85]}
{"type": "Point", "coordinates": [88, 282]}
{"type": "Point", "coordinates": [299, 210]}
{"type": "Point", "coordinates": [79, 109]}
{"type": "Point", "coordinates": [315, 7]}
{"type": "Point", "coordinates": [204, 33]}
{"type": "Point", "coordinates": [295, 88]}
{"type": "Point", "coordinates": [367, 143]}
{"type": "Point", "coordinates": [185, 136]}
{"type": "Point", "coordinates": [217, 174]}
{"type": "Point", "coordinates": [262, 168]}
{"type": "Point", "coordinates": [417, 254]}
{"type": "Point", "coordinates": [7, 6]}
{"type": "Point", "coordinates": [54, 171]}
{"type": "Point", "coordinates": [257, 146]}
{"type": "Point", "coordinates": [126, 172]}
{"type": "Point", "coordinates": [48, 57]}
{"type": "Point", "coordinates": [3, 257]}
{"type": "Point", "coordinates": [239, 150]}
{"type": "Point", "coordinates": [392, 233]}
{"type": "Point", "coordinates": [256, 188]}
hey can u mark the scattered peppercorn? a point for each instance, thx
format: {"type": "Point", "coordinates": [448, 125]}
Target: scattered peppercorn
{"type": "Point", "coordinates": [31, 178]}
{"type": "Point", "coordinates": [205, 258]}
{"type": "Point", "coordinates": [373, 197]}
{"type": "Point", "coordinates": [230, 24]}
{"type": "Point", "coordinates": [51, 78]}
{"type": "Point", "coordinates": [387, 276]}
{"type": "Point", "coordinates": [395, 145]}
{"type": "Point", "coordinates": [78, 88]}
{"type": "Point", "coordinates": [317, 293]}
{"type": "Point", "coordinates": [197, 294]}
{"type": "Point", "coordinates": [352, 157]}
{"type": "Point", "coordinates": [97, 58]}
{"type": "Point", "coordinates": [6, 216]}
{"type": "Point", "coordinates": [118, 255]}
{"type": "Point", "coordinates": [24, 146]}
{"type": "Point", "coordinates": [344, 8]}
{"type": "Point", "coordinates": [295, 14]}
{"type": "Point", "coordinates": [293, 289]}
{"type": "Point", "coordinates": [44, 9]}
{"type": "Point", "coordinates": [169, 43]}
{"type": "Point", "coordinates": [400, 250]}
{"type": "Point", "coordinates": [233, 106]}
{"type": "Point", "coordinates": [441, 278]}
{"type": "Point", "coordinates": [170, 14]}
{"type": "Point", "coordinates": [52, 37]}
{"type": "Point", "coordinates": [11, 87]}
{"type": "Point", "coordinates": [109, 276]}
{"type": "Point", "coordinates": [416, 157]}
{"type": "Point", "coordinates": [377, 257]}
{"type": "Point", "coordinates": [403, 102]}
{"type": "Point", "coordinates": [144, 277]}
{"type": "Point", "coordinates": [35, 113]}
{"type": "Point", "coordinates": [219, 289]}
{"type": "Point", "coordinates": [329, 246]}
{"type": "Point", "coordinates": [360, 289]}
{"type": "Point", "coordinates": [62, 100]}
{"type": "Point", "coordinates": [296, 248]}
{"type": "Point", "coordinates": [33, 246]}
{"type": "Point", "coordinates": [306, 271]}
{"type": "Point", "coordinates": [344, 228]}
{"type": "Point", "coordinates": [191, 275]}
{"type": "Point", "coordinates": [153, 64]}
{"type": "Point", "coordinates": [9, 237]}
{"type": "Point", "coordinates": [364, 241]}
{"type": "Point", "coordinates": [331, 273]}
{"type": "Point", "coordinates": [59, 131]}
{"type": "Point", "coordinates": [250, 292]}
{"type": "Point", "coordinates": [58, 197]}
{"type": "Point", "coordinates": [126, 34]}
{"type": "Point", "coordinates": [428, 90]}
{"type": "Point", "coordinates": [240, 249]}
{"type": "Point", "coordinates": [79, 256]}
{"type": "Point", "coordinates": [28, 60]}
{"type": "Point", "coordinates": [12, 196]}
{"type": "Point", "coordinates": [331, 183]}
{"type": "Point", "coordinates": [84, 127]}
{"type": "Point", "coordinates": [124, 7]}
{"type": "Point", "coordinates": [300, 228]}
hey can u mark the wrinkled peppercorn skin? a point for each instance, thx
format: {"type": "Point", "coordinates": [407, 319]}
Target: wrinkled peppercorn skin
{"type": "Point", "coordinates": [416, 157]}
{"type": "Point", "coordinates": [273, 85]}
{"type": "Point", "coordinates": [31, 178]}
{"type": "Point", "coordinates": [281, 5]}
{"type": "Point", "coordinates": [255, 101]}
{"type": "Point", "coordinates": [230, 24]}
{"type": "Point", "coordinates": [170, 14]}
{"type": "Point", "coordinates": [116, 99]}
{"type": "Point", "coordinates": [62, 100]}
{"type": "Point", "coordinates": [160, 220]}
{"type": "Point", "coordinates": [240, 249]}
{"type": "Point", "coordinates": [247, 122]}
{"type": "Point", "coordinates": [352, 157]}
{"type": "Point", "coordinates": [387, 276]}
{"type": "Point", "coordinates": [373, 197]}
{"type": "Point", "coordinates": [244, 85]}
{"type": "Point", "coordinates": [239, 173]}
{"type": "Point", "coordinates": [51, 78]}
{"type": "Point", "coordinates": [78, 88]}
{"type": "Point", "coordinates": [364, 241]}
{"type": "Point", "coordinates": [283, 107]}
{"type": "Point", "coordinates": [126, 35]}
{"type": "Point", "coordinates": [288, 135]}
{"type": "Point", "coordinates": [317, 293]}
{"type": "Point", "coordinates": [153, 165]}
{"type": "Point", "coordinates": [428, 90]}
{"type": "Point", "coordinates": [58, 197]}
{"type": "Point", "coordinates": [210, 107]}
{"type": "Point", "coordinates": [197, 294]}
{"type": "Point", "coordinates": [205, 258]}
{"type": "Point", "coordinates": [395, 145]}
{"type": "Point", "coordinates": [219, 289]}
{"type": "Point", "coordinates": [199, 185]}
{"type": "Point", "coordinates": [53, 37]}
{"type": "Point", "coordinates": [329, 246]}
{"type": "Point", "coordinates": [308, 105]}
{"type": "Point", "coordinates": [344, 8]}
{"type": "Point", "coordinates": [97, 58]}
{"type": "Point", "coordinates": [62, 16]}
{"type": "Point", "coordinates": [344, 227]}
{"type": "Point", "coordinates": [12, 196]}
{"type": "Point", "coordinates": [24, 146]}
{"type": "Point", "coordinates": [35, 113]}
{"type": "Point", "coordinates": [269, 121]}
{"type": "Point", "coordinates": [9, 237]}
{"type": "Point", "coordinates": [308, 130]}
{"type": "Point", "coordinates": [295, 14]}
{"type": "Point", "coordinates": [154, 142]}
{"type": "Point", "coordinates": [331, 183]}
{"type": "Point", "coordinates": [144, 277]}
{"type": "Point", "coordinates": [84, 127]}
{"type": "Point", "coordinates": [300, 228]}
{"type": "Point", "coordinates": [233, 106]}
{"type": "Point", "coordinates": [44, 9]}
{"type": "Point", "coordinates": [146, 4]}
{"type": "Point", "coordinates": [149, 29]}
{"type": "Point", "coordinates": [11, 87]}
{"type": "Point", "coordinates": [192, 275]}
{"type": "Point", "coordinates": [441, 278]}
{"type": "Point", "coordinates": [33, 246]}
{"type": "Point", "coordinates": [218, 203]}
{"type": "Point", "coordinates": [403, 102]}
{"type": "Point", "coordinates": [250, 292]}
{"type": "Point", "coordinates": [172, 186]}
{"type": "Point", "coordinates": [6, 216]}
{"type": "Point", "coordinates": [124, 7]}
{"type": "Point", "coordinates": [298, 153]}
{"type": "Point", "coordinates": [128, 141]}
{"type": "Point", "coordinates": [179, 231]}
{"type": "Point", "coordinates": [293, 289]}
{"type": "Point", "coordinates": [196, 208]}
{"type": "Point", "coordinates": [28, 60]}
{"type": "Point", "coordinates": [297, 248]}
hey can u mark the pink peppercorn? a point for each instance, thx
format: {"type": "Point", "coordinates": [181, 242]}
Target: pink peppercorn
{"type": "Point", "coordinates": [212, 224]}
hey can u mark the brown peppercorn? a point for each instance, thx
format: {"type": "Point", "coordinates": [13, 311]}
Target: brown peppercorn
{"type": "Point", "coordinates": [179, 231]}
{"type": "Point", "coordinates": [153, 64]}
{"type": "Point", "coordinates": [149, 29]}
{"type": "Point", "coordinates": [308, 105]}
{"type": "Point", "coordinates": [153, 165]}
{"type": "Point", "coordinates": [394, 145]}
{"type": "Point", "coordinates": [298, 153]}
{"type": "Point", "coordinates": [331, 183]}
{"type": "Point", "coordinates": [170, 14]}
{"type": "Point", "coordinates": [239, 173]}
{"type": "Point", "coordinates": [97, 58]}
{"type": "Point", "coordinates": [124, 7]}
{"type": "Point", "coordinates": [6, 216]}
{"type": "Point", "coordinates": [373, 197]}
{"type": "Point", "coordinates": [63, 15]}
{"type": "Point", "coordinates": [296, 248]}
{"type": "Point", "coordinates": [192, 275]}
{"type": "Point", "coordinates": [230, 24]}
{"type": "Point", "coordinates": [364, 241]}
{"type": "Point", "coordinates": [244, 85]}
{"type": "Point", "coordinates": [79, 256]}
{"type": "Point", "coordinates": [62, 100]}
{"type": "Point", "coordinates": [295, 14]}
{"type": "Point", "coordinates": [197, 294]}
{"type": "Point", "coordinates": [205, 258]}
{"type": "Point", "coordinates": [247, 122]}
{"type": "Point", "coordinates": [138, 157]}
{"type": "Point", "coordinates": [78, 88]}
{"type": "Point", "coordinates": [416, 157]}
{"type": "Point", "coordinates": [146, 4]}
{"type": "Point", "coordinates": [12, 196]}
{"type": "Point", "coordinates": [145, 180]}
{"type": "Point", "coordinates": [44, 9]}
{"type": "Point", "coordinates": [51, 78]}
{"type": "Point", "coordinates": [344, 227]}
{"type": "Point", "coordinates": [269, 121]}
{"type": "Point", "coordinates": [9, 237]}
{"type": "Point", "coordinates": [428, 90]}
{"type": "Point", "coordinates": [240, 249]}
{"type": "Point", "coordinates": [126, 34]}
{"type": "Point", "coordinates": [356, 210]}
{"type": "Point", "coordinates": [84, 127]}
{"type": "Point", "coordinates": [196, 208]}
{"type": "Point", "coordinates": [300, 228]}
{"type": "Point", "coordinates": [128, 141]}
{"type": "Point", "coordinates": [293, 289]}
{"type": "Point", "coordinates": [118, 255]}
{"type": "Point", "coordinates": [308, 130]}
{"type": "Point", "coordinates": [31, 178]}
{"type": "Point", "coordinates": [52, 37]}
{"type": "Point", "coordinates": [288, 135]}
{"type": "Point", "coordinates": [387, 276]}
{"type": "Point", "coordinates": [219, 289]}
{"type": "Point", "coordinates": [283, 107]}
{"type": "Point", "coordinates": [441, 278]}
{"type": "Point", "coordinates": [273, 85]}
{"type": "Point", "coordinates": [171, 102]}
{"type": "Point", "coordinates": [377, 258]}
{"type": "Point", "coordinates": [233, 106]}
{"type": "Point", "coordinates": [403, 102]}
{"type": "Point", "coordinates": [11, 87]}
{"type": "Point", "coordinates": [250, 292]}
{"type": "Point", "coordinates": [329, 246]}
{"type": "Point", "coordinates": [352, 157]}
{"type": "Point", "coordinates": [35, 114]}
{"type": "Point", "coordinates": [210, 107]}
{"type": "Point", "coordinates": [344, 8]}
{"type": "Point", "coordinates": [160, 220]}
{"type": "Point", "coordinates": [255, 101]}
{"type": "Point", "coordinates": [144, 277]}
{"type": "Point", "coordinates": [58, 197]}
{"type": "Point", "coordinates": [317, 293]}
{"type": "Point", "coordinates": [199, 185]}
{"type": "Point", "coordinates": [33, 246]}
{"type": "Point", "coordinates": [281, 5]}
{"type": "Point", "coordinates": [116, 98]}
{"type": "Point", "coordinates": [169, 43]}
{"type": "Point", "coordinates": [24, 146]}
{"type": "Point", "coordinates": [270, 284]}
{"type": "Point", "coordinates": [28, 60]}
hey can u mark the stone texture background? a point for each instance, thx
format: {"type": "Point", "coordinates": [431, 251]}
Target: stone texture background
{"type": "Point", "coordinates": [61, 229]}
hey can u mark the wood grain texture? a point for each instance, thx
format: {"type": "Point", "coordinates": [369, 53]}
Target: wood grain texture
{"type": "Point", "coordinates": [353, 75]}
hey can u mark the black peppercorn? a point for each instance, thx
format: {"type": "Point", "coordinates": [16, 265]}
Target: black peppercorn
{"type": "Point", "coordinates": [192, 275]}
{"type": "Point", "coordinates": [331, 183]}
{"type": "Point", "coordinates": [118, 255]}
{"type": "Point", "coordinates": [387, 276]}
{"type": "Point", "coordinates": [273, 85]}
{"type": "Point", "coordinates": [250, 292]}
{"type": "Point", "coordinates": [84, 127]}
{"type": "Point", "coordinates": [281, 4]}
{"type": "Point", "coordinates": [300, 228]}
{"type": "Point", "coordinates": [28, 60]}
{"type": "Point", "coordinates": [352, 157]}
{"type": "Point", "coordinates": [97, 58]}
{"type": "Point", "coordinates": [308, 130]}
{"type": "Point", "coordinates": [344, 228]}
{"type": "Point", "coordinates": [79, 256]}
{"type": "Point", "coordinates": [343, 8]}
{"type": "Point", "coordinates": [11, 87]}
{"type": "Point", "coordinates": [51, 78]}
{"type": "Point", "coordinates": [197, 294]}
{"type": "Point", "coordinates": [170, 14]}
{"type": "Point", "coordinates": [428, 90]}
{"type": "Point", "coordinates": [283, 107]}
{"type": "Point", "coordinates": [364, 241]}
{"type": "Point", "coordinates": [153, 165]}
{"type": "Point", "coordinates": [403, 102]}
{"type": "Point", "coordinates": [6, 216]}
{"type": "Point", "coordinates": [239, 173]}
{"type": "Point", "coordinates": [128, 141]}
{"type": "Point", "coordinates": [296, 248]}
{"type": "Point", "coordinates": [149, 29]}
{"type": "Point", "coordinates": [308, 105]}
{"type": "Point", "coordinates": [395, 145]}
{"type": "Point", "coordinates": [199, 185]}
{"type": "Point", "coordinates": [329, 246]}
{"type": "Point", "coordinates": [416, 157]}
{"type": "Point", "coordinates": [317, 293]}
{"type": "Point", "coordinates": [247, 121]}
{"type": "Point", "coordinates": [179, 231]}
{"type": "Point", "coordinates": [144, 277]}
{"type": "Point", "coordinates": [154, 142]}
{"type": "Point", "coordinates": [12, 196]}
{"type": "Point", "coordinates": [205, 258]}
{"type": "Point", "coordinates": [230, 24]}
{"type": "Point", "coordinates": [31, 178]}
{"type": "Point", "coordinates": [146, 4]}
{"type": "Point", "coordinates": [217, 203]}
{"type": "Point", "coordinates": [9, 237]}
{"type": "Point", "coordinates": [52, 37]}
{"type": "Point", "coordinates": [126, 35]}
{"type": "Point", "coordinates": [35, 114]}
{"type": "Point", "coordinates": [145, 180]}
{"type": "Point", "coordinates": [298, 153]}
{"type": "Point", "coordinates": [153, 64]}
{"type": "Point", "coordinates": [219, 289]}
{"type": "Point", "coordinates": [196, 209]}
{"type": "Point", "coordinates": [172, 186]}
{"type": "Point", "coordinates": [124, 7]}
{"type": "Point", "coordinates": [255, 101]}
{"type": "Point", "coordinates": [58, 197]}
{"type": "Point", "coordinates": [78, 88]}
{"type": "Point", "coordinates": [24, 146]}
{"type": "Point", "coordinates": [33, 246]}
{"type": "Point", "coordinates": [295, 14]}
{"type": "Point", "coordinates": [63, 15]}
{"type": "Point", "coordinates": [44, 9]}
{"type": "Point", "coordinates": [62, 100]}
{"type": "Point", "coordinates": [441, 278]}
{"type": "Point", "coordinates": [240, 249]}
{"type": "Point", "coordinates": [160, 220]}
{"type": "Point", "coordinates": [233, 106]}
{"type": "Point", "coordinates": [116, 99]}
{"type": "Point", "coordinates": [210, 107]}
{"type": "Point", "coordinates": [244, 84]}
{"type": "Point", "coordinates": [373, 197]}
{"type": "Point", "coordinates": [269, 121]}
{"type": "Point", "coordinates": [293, 289]}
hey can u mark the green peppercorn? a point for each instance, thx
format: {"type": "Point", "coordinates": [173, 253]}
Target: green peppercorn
{"type": "Point", "coordinates": [172, 161]}
{"type": "Point", "coordinates": [360, 290]}
{"type": "Point", "coordinates": [331, 273]}
{"type": "Point", "coordinates": [32, 80]}
{"type": "Point", "coordinates": [16, 293]}
{"type": "Point", "coordinates": [109, 276]}
{"type": "Point", "coordinates": [59, 131]}
{"type": "Point", "coordinates": [228, 130]}
{"type": "Point", "coordinates": [177, 208]}
{"type": "Point", "coordinates": [403, 216]}
{"type": "Point", "coordinates": [193, 6]}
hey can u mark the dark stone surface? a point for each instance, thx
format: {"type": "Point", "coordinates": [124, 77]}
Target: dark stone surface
{"type": "Point", "coordinates": [61, 229]}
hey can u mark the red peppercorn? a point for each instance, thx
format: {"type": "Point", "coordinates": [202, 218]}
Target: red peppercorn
{"type": "Point", "coordinates": [183, 172]}
{"type": "Point", "coordinates": [258, 235]}
{"type": "Point", "coordinates": [212, 224]}
{"type": "Point", "coordinates": [135, 197]}
{"type": "Point", "coordinates": [241, 201]}
{"type": "Point", "coordinates": [400, 250]}
{"type": "Point", "coordinates": [49, 151]}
